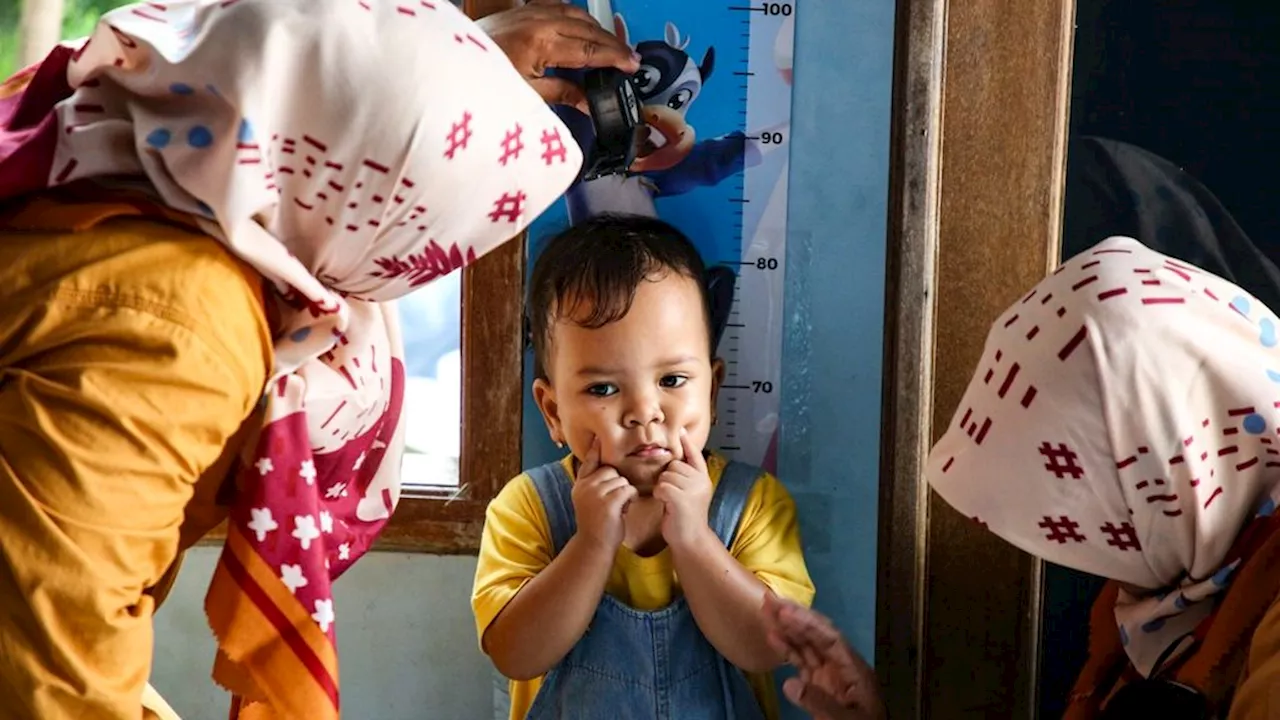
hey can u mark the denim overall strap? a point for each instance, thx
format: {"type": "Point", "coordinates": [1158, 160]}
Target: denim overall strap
{"type": "Point", "coordinates": [556, 490]}
{"type": "Point", "coordinates": [730, 499]}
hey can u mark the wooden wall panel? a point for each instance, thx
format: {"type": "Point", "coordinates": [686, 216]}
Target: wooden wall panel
{"type": "Point", "coordinates": [1006, 83]}
{"type": "Point", "coordinates": [977, 218]}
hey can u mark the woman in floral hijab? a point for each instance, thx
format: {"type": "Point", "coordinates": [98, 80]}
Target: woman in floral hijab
{"type": "Point", "coordinates": [209, 207]}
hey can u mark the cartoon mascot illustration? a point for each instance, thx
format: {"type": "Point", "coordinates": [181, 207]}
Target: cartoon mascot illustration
{"type": "Point", "coordinates": [672, 160]}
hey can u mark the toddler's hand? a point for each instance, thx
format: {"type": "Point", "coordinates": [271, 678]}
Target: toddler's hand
{"type": "Point", "coordinates": [684, 489]}
{"type": "Point", "coordinates": [600, 497]}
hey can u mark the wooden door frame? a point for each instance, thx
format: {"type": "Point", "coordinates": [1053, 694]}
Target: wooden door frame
{"type": "Point", "coordinates": [981, 91]}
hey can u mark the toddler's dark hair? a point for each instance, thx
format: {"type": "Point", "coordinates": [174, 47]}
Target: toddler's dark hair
{"type": "Point", "coordinates": [591, 272]}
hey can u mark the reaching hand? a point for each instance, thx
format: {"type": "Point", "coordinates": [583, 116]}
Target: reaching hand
{"type": "Point", "coordinates": [546, 34]}
{"type": "Point", "coordinates": [834, 683]}
{"type": "Point", "coordinates": [684, 489]}
{"type": "Point", "coordinates": [600, 498]}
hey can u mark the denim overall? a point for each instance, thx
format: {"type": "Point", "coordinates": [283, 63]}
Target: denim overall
{"type": "Point", "coordinates": [644, 665]}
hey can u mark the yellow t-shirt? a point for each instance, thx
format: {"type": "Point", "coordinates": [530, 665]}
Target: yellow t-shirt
{"type": "Point", "coordinates": [517, 545]}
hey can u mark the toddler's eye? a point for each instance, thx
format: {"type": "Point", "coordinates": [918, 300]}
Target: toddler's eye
{"type": "Point", "coordinates": [602, 389]}
{"type": "Point", "coordinates": [673, 381]}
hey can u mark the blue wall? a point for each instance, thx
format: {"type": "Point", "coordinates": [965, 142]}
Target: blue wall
{"type": "Point", "coordinates": [835, 297]}
{"type": "Point", "coordinates": [829, 456]}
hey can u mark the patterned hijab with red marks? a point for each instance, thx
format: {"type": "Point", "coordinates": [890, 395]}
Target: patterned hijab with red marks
{"type": "Point", "coordinates": [1124, 421]}
{"type": "Point", "coordinates": [351, 151]}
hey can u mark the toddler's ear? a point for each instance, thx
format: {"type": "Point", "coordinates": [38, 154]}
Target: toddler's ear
{"type": "Point", "coordinates": [545, 396]}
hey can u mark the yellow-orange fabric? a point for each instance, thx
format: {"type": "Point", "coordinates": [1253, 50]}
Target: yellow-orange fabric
{"type": "Point", "coordinates": [133, 353]}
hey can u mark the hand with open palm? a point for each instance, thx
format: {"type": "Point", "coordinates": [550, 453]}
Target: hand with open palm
{"type": "Point", "coordinates": [834, 683]}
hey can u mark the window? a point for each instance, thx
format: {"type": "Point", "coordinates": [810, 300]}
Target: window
{"type": "Point", "coordinates": [437, 513]}
{"type": "Point", "coordinates": [431, 324]}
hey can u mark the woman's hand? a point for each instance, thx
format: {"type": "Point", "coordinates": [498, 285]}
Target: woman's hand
{"type": "Point", "coordinates": [546, 34]}
{"type": "Point", "coordinates": [834, 683]}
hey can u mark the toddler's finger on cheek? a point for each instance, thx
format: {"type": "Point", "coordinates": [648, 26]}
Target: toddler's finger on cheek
{"type": "Point", "coordinates": [692, 455]}
{"type": "Point", "coordinates": [591, 461]}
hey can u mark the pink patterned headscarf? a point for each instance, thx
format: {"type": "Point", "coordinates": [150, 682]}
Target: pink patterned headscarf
{"type": "Point", "coordinates": [1124, 421]}
{"type": "Point", "coordinates": [351, 151]}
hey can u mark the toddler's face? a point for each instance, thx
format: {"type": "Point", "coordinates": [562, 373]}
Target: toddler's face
{"type": "Point", "coordinates": [636, 383]}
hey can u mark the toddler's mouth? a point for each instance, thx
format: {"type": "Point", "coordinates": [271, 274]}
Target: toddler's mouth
{"type": "Point", "coordinates": [650, 451]}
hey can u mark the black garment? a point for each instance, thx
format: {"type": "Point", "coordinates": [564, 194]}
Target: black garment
{"type": "Point", "coordinates": [1114, 188]}
{"type": "Point", "coordinates": [1197, 82]}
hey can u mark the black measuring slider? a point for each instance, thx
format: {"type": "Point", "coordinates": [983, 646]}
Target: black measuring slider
{"type": "Point", "coordinates": [615, 115]}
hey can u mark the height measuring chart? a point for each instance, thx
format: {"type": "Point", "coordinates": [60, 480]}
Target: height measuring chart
{"type": "Point", "coordinates": [715, 90]}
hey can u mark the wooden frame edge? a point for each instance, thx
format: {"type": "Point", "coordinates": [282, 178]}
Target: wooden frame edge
{"type": "Point", "coordinates": [1053, 258]}
{"type": "Point", "coordinates": [908, 358]}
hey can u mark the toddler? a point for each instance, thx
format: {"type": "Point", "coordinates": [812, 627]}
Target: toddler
{"type": "Point", "coordinates": [626, 580]}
